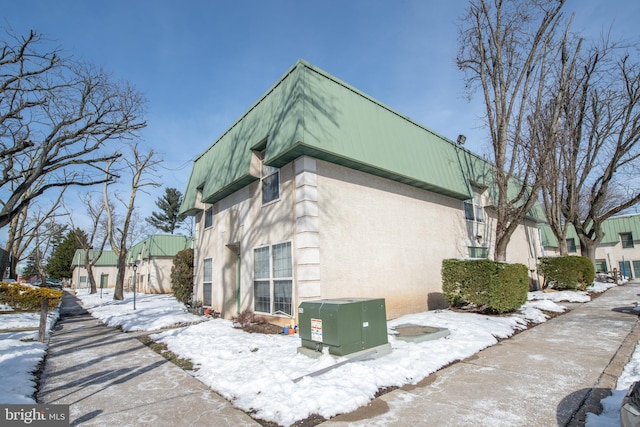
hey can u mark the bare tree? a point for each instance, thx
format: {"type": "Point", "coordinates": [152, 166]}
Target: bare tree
{"type": "Point", "coordinates": [142, 169]}
{"type": "Point", "coordinates": [57, 115]}
{"type": "Point", "coordinates": [23, 230]}
{"type": "Point", "coordinates": [96, 238]}
{"type": "Point", "coordinates": [45, 238]}
{"type": "Point", "coordinates": [506, 49]}
{"type": "Point", "coordinates": [602, 125]}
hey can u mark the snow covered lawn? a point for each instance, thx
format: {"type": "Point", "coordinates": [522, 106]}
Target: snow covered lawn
{"type": "Point", "coordinates": [21, 354]}
{"type": "Point", "coordinates": [256, 371]}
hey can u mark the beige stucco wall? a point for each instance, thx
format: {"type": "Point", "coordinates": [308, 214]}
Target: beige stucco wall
{"type": "Point", "coordinates": [153, 275]}
{"type": "Point", "coordinates": [240, 224]}
{"type": "Point", "coordinates": [98, 271]}
{"type": "Point", "coordinates": [615, 253]}
{"type": "Point", "coordinates": [352, 234]}
{"type": "Point", "coordinates": [380, 238]}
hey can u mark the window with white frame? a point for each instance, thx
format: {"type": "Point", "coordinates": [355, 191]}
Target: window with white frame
{"type": "Point", "coordinates": [273, 279]}
{"type": "Point", "coordinates": [208, 217]}
{"type": "Point", "coordinates": [478, 252]}
{"type": "Point", "coordinates": [473, 209]}
{"type": "Point", "coordinates": [571, 245]}
{"type": "Point", "coordinates": [207, 281]}
{"type": "Point", "coordinates": [270, 182]}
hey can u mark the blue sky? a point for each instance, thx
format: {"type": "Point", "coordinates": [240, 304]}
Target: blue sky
{"type": "Point", "coordinates": [202, 64]}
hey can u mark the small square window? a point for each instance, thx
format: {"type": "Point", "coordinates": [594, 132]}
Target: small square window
{"type": "Point", "coordinates": [571, 245]}
{"type": "Point", "coordinates": [627, 240]}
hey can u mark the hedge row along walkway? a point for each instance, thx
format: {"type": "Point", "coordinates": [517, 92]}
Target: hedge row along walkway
{"type": "Point", "coordinates": [109, 378]}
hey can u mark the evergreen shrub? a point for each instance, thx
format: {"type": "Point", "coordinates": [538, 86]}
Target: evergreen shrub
{"type": "Point", "coordinates": [182, 276]}
{"type": "Point", "coordinates": [492, 286]}
{"type": "Point", "coordinates": [567, 272]}
{"type": "Point", "coordinates": [28, 298]}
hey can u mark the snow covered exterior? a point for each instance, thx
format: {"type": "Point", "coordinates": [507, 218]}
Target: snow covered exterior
{"type": "Point", "coordinates": [154, 258]}
{"type": "Point", "coordinates": [619, 248]}
{"type": "Point", "coordinates": [320, 191]}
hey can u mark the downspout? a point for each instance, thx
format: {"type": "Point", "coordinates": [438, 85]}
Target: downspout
{"type": "Point", "coordinates": [238, 282]}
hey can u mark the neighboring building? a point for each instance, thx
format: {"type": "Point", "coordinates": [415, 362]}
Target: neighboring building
{"type": "Point", "coordinates": [154, 257]}
{"type": "Point", "coordinates": [320, 191]}
{"type": "Point", "coordinates": [619, 249]}
{"type": "Point", "coordinates": [104, 270]}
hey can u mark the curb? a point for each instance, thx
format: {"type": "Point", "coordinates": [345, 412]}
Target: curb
{"type": "Point", "coordinates": [608, 379]}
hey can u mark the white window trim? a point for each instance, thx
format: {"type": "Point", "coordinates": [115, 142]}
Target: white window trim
{"type": "Point", "coordinates": [477, 247]}
{"type": "Point", "coordinates": [476, 205]}
{"type": "Point", "coordinates": [204, 281]}
{"type": "Point", "coordinates": [272, 279]}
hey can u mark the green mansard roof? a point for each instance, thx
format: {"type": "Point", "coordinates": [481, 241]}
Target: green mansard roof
{"type": "Point", "coordinates": [309, 112]}
{"type": "Point", "coordinates": [159, 245]}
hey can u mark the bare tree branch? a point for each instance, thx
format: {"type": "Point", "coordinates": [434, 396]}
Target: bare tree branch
{"type": "Point", "coordinates": [56, 116]}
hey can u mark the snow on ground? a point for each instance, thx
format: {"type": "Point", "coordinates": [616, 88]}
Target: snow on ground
{"type": "Point", "coordinates": [256, 371]}
{"type": "Point", "coordinates": [153, 311]}
{"type": "Point", "coordinates": [21, 354]}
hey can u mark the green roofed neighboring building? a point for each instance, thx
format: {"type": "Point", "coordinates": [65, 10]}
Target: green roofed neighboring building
{"type": "Point", "coordinates": [619, 249]}
{"type": "Point", "coordinates": [104, 270]}
{"type": "Point", "coordinates": [154, 258]}
{"type": "Point", "coordinates": [320, 191]}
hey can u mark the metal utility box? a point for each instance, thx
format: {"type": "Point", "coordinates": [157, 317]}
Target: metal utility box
{"type": "Point", "coordinates": [345, 326]}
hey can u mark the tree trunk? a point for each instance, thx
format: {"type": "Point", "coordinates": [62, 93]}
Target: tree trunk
{"type": "Point", "coordinates": [93, 288]}
{"type": "Point", "coordinates": [118, 293]}
{"type": "Point", "coordinates": [588, 248]}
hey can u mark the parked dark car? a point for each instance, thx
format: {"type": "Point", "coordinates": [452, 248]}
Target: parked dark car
{"type": "Point", "coordinates": [54, 284]}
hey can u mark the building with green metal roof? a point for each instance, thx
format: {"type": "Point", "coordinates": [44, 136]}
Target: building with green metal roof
{"type": "Point", "coordinates": [320, 191]}
{"type": "Point", "coordinates": [153, 258]}
{"type": "Point", "coordinates": [104, 269]}
{"type": "Point", "coordinates": [619, 249]}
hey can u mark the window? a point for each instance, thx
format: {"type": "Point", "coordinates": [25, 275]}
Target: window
{"type": "Point", "coordinates": [207, 279]}
{"type": "Point", "coordinates": [270, 182]}
{"type": "Point", "coordinates": [478, 252]}
{"type": "Point", "coordinates": [625, 268]}
{"type": "Point", "coordinates": [627, 240]}
{"type": "Point", "coordinates": [636, 269]}
{"type": "Point", "coordinates": [208, 217]}
{"type": "Point", "coordinates": [571, 245]}
{"type": "Point", "coordinates": [601, 266]}
{"type": "Point", "coordinates": [473, 209]}
{"type": "Point", "coordinates": [273, 279]}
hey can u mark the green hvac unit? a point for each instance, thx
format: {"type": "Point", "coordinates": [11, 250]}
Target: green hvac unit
{"type": "Point", "coordinates": [345, 326]}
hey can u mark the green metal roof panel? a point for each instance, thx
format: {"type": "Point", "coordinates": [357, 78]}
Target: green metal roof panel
{"type": "Point", "coordinates": [613, 226]}
{"type": "Point", "coordinates": [355, 130]}
{"type": "Point", "coordinates": [309, 112]}
{"type": "Point", "coordinates": [159, 245]}
{"type": "Point", "coordinates": [107, 258]}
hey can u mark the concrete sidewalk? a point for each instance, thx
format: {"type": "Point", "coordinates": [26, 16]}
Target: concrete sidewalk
{"type": "Point", "coordinates": [549, 375]}
{"type": "Point", "coordinates": [111, 379]}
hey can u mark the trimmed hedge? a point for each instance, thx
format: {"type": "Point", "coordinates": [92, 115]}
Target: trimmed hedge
{"type": "Point", "coordinates": [567, 272]}
{"type": "Point", "coordinates": [27, 298]}
{"type": "Point", "coordinates": [182, 276]}
{"type": "Point", "coordinates": [493, 286]}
